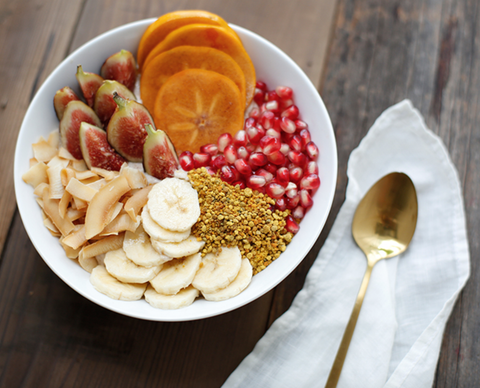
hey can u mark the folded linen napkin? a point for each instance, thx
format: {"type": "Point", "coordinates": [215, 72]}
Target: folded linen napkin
{"type": "Point", "coordinates": [410, 297]}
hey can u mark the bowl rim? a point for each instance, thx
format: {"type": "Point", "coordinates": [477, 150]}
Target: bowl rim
{"type": "Point", "coordinates": [19, 184]}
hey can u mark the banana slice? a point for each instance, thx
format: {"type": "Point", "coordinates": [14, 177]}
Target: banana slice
{"type": "Point", "coordinates": [241, 282]}
{"type": "Point", "coordinates": [183, 298]}
{"type": "Point", "coordinates": [173, 204]}
{"type": "Point", "coordinates": [108, 285]}
{"type": "Point", "coordinates": [122, 268]}
{"type": "Point", "coordinates": [138, 248]}
{"type": "Point", "coordinates": [157, 232]}
{"type": "Point", "coordinates": [217, 272]}
{"type": "Point", "coordinates": [186, 247]}
{"type": "Point", "coordinates": [176, 274]}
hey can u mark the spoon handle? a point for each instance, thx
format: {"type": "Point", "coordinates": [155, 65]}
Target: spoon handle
{"type": "Point", "coordinates": [334, 375]}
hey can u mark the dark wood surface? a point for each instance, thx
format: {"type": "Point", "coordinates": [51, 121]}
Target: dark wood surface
{"type": "Point", "coordinates": [364, 55]}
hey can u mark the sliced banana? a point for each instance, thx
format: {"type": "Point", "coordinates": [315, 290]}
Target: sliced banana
{"type": "Point", "coordinates": [122, 268]}
{"type": "Point", "coordinates": [108, 285]}
{"type": "Point", "coordinates": [217, 272]}
{"type": "Point", "coordinates": [183, 298]}
{"type": "Point", "coordinates": [157, 232]}
{"type": "Point", "coordinates": [186, 247]}
{"type": "Point", "coordinates": [138, 248]}
{"type": "Point", "coordinates": [173, 204]}
{"type": "Point", "coordinates": [241, 282]}
{"type": "Point", "coordinates": [176, 274]}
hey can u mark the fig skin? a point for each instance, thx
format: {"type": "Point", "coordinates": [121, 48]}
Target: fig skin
{"type": "Point", "coordinates": [89, 83]}
{"type": "Point", "coordinates": [159, 156]}
{"type": "Point", "coordinates": [121, 67]}
{"type": "Point", "coordinates": [62, 97]}
{"type": "Point", "coordinates": [126, 129]}
{"type": "Point", "coordinates": [95, 149]}
{"type": "Point", "coordinates": [104, 105]}
{"type": "Point", "coordinates": [75, 113]}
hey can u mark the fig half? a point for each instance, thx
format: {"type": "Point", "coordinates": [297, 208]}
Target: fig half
{"type": "Point", "coordinates": [126, 128]}
{"type": "Point", "coordinates": [75, 113]}
{"type": "Point", "coordinates": [62, 98]}
{"type": "Point", "coordinates": [89, 83]}
{"type": "Point", "coordinates": [121, 67]}
{"type": "Point", "coordinates": [159, 156]}
{"type": "Point", "coordinates": [104, 105]}
{"type": "Point", "coordinates": [95, 149]}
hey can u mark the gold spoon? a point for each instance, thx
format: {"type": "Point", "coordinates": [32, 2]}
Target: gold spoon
{"type": "Point", "coordinates": [383, 226]}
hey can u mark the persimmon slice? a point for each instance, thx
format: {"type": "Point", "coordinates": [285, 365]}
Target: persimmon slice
{"type": "Point", "coordinates": [195, 106]}
{"type": "Point", "coordinates": [181, 58]}
{"type": "Point", "coordinates": [165, 24]}
{"type": "Point", "coordinates": [210, 36]}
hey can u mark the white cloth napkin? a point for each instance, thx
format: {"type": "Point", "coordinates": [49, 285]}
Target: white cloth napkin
{"type": "Point", "coordinates": [410, 297]}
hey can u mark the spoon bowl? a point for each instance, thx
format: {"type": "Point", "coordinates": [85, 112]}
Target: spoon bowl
{"type": "Point", "coordinates": [383, 226]}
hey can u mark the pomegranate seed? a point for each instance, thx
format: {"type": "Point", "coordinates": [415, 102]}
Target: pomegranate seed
{"type": "Point", "coordinates": [256, 182]}
{"type": "Point", "coordinates": [312, 150]}
{"type": "Point", "coordinates": [254, 134]}
{"type": "Point", "coordinates": [266, 174]}
{"type": "Point", "coordinates": [223, 141]}
{"type": "Point", "coordinates": [293, 202]}
{"type": "Point", "coordinates": [251, 147]}
{"type": "Point", "coordinates": [261, 85]}
{"type": "Point", "coordinates": [241, 184]}
{"type": "Point", "coordinates": [305, 199]}
{"type": "Point", "coordinates": [255, 113]}
{"type": "Point", "coordinates": [243, 153]}
{"type": "Point", "coordinates": [312, 168]}
{"type": "Point", "coordinates": [291, 112]}
{"type": "Point", "coordinates": [272, 96]}
{"type": "Point", "coordinates": [242, 167]}
{"type": "Point", "coordinates": [285, 149]}
{"type": "Point", "coordinates": [274, 190]}
{"type": "Point", "coordinates": [287, 125]}
{"type": "Point", "coordinates": [301, 125]}
{"type": "Point", "coordinates": [305, 135]}
{"type": "Point", "coordinates": [210, 149]}
{"type": "Point", "coordinates": [240, 139]}
{"type": "Point", "coordinates": [297, 157]}
{"type": "Point", "coordinates": [210, 170]}
{"type": "Point", "coordinates": [273, 133]}
{"type": "Point", "coordinates": [286, 104]}
{"type": "Point", "coordinates": [291, 225]}
{"type": "Point", "coordinates": [270, 145]}
{"type": "Point", "coordinates": [266, 119]}
{"type": "Point", "coordinates": [276, 157]}
{"type": "Point", "coordinates": [218, 161]}
{"type": "Point", "coordinates": [227, 174]}
{"type": "Point", "coordinates": [310, 182]}
{"type": "Point", "coordinates": [230, 154]}
{"type": "Point", "coordinates": [283, 176]}
{"type": "Point", "coordinates": [259, 96]}
{"type": "Point", "coordinates": [291, 190]}
{"type": "Point", "coordinates": [296, 174]}
{"type": "Point", "coordinates": [284, 92]}
{"type": "Point", "coordinates": [271, 168]}
{"type": "Point", "coordinates": [201, 159]}
{"type": "Point", "coordinates": [298, 213]}
{"type": "Point", "coordinates": [272, 106]}
{"type": "Point", "coordinates": [281, 204]}
{"type": "Point", "coordinates": [276, 124]}
{"type": "Point", "coordinates": [296, 143]}
{"type": "Point", "coordinates": [257, 159]}
{"type": "Point", "coordinates": [250, 122]}
{"type": "Point", "coordinates": [186, 161]}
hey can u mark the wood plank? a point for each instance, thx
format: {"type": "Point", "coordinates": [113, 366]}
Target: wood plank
{"type": "Point", "coordinates": [34, 38]}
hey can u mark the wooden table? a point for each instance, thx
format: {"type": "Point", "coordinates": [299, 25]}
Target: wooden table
{"type": "Point", "coordinates": [363, 55]}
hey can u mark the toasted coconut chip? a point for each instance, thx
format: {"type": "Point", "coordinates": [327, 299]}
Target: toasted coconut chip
{"type": "Point", "coordinates": [91, 180]}
{"type": "Point", "coordinates": [79, 165]}
{"type": "Point", "coordinates": [40, 203]}
{"type": "Point", "coordinates": [36, 174]}
{"type": "Point", "coordinates": [98, 184]}
{"type": "Point", "coordinates": [121, 223]}
{"type": "Point", "coordinates": [64, 154]}
{"type": "Point", "coordinates": [54, 171]}
{"type": "Point", "coordinates": [80, 191]}
{"type": "Point", "coordinates": [82, 175]}
{"type": "Point", "coordinates": [44, 152]}
{"type": "Point", "coordinates": [32, 162]}
{"type": "Point", "coordinates": [54, 139]}
{"type": "Point", "coordinates": [80, 203]}
{"type": "Point", "coordinates": [67, 174]}
{"type": "Point", "coordinates": [87, 264]}
{"type": "Point", "coordinates": [39, 189]}
{"type": "Point", "coordinates": [108, 175]}
{"type": "Point", "coordinates": [77, 238]}
{"type": "Point", "coordinates": [136, 178]}
{"type": "Point", "coordinates": [99, 212]}
{"type": "Point", "coordinates": [63, 204]}
{"type": "Point", "coordinates": [104, 245]}
{"type": "Point", "coordinates": [75, 214]}
{"type": "Point", "coordinates": [50, 206]}
{"type": "Point", "coordinates": [70, 253]}
{"type": "Point", "coordinates": [114, 211]}
{"type": "Point", "coordinates": [51, 227]}
{"type": "Point", "coordinates": [136, 202]}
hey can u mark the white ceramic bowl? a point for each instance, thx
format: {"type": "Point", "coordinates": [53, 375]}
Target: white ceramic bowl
{"type": "Point", "coordinates": [273, 67]}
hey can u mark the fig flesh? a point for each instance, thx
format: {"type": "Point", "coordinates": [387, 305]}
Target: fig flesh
{"type": "Point", "coordinates": [104, 105]}
{"type": "Point", "coordinates": [62, 98]}
{"type": "Point", "coordinates": [126, 128]}
{"type": "Point", "coordinates": [75, 113]}
{"type": "Point", "coordinates": [121, 67]}
{"type": "Point", "coordinates": [89, 83]}
{"type": "Point", "coordinates": [95, 149]}
{"type": "Point", "coordinates": [159, 156]}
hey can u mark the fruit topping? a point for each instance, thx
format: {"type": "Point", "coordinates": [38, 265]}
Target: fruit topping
{"type": "Point", "coordinates": [159, 156]}
{"type": "Point", "coordinates": [89, 83]}
{"type": "Point", "coordinates": [126, 128]}
{"type": "Point", "coordinates": [120, 67]}
{"type": "Point", "coordinates": [95, 149]}
{"type": "Point", "coordinates": [62, 98]}
{"type": "Point", "coordinates": [105, 105]}
{"type": "Point", "coordinates": [75, 113]}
